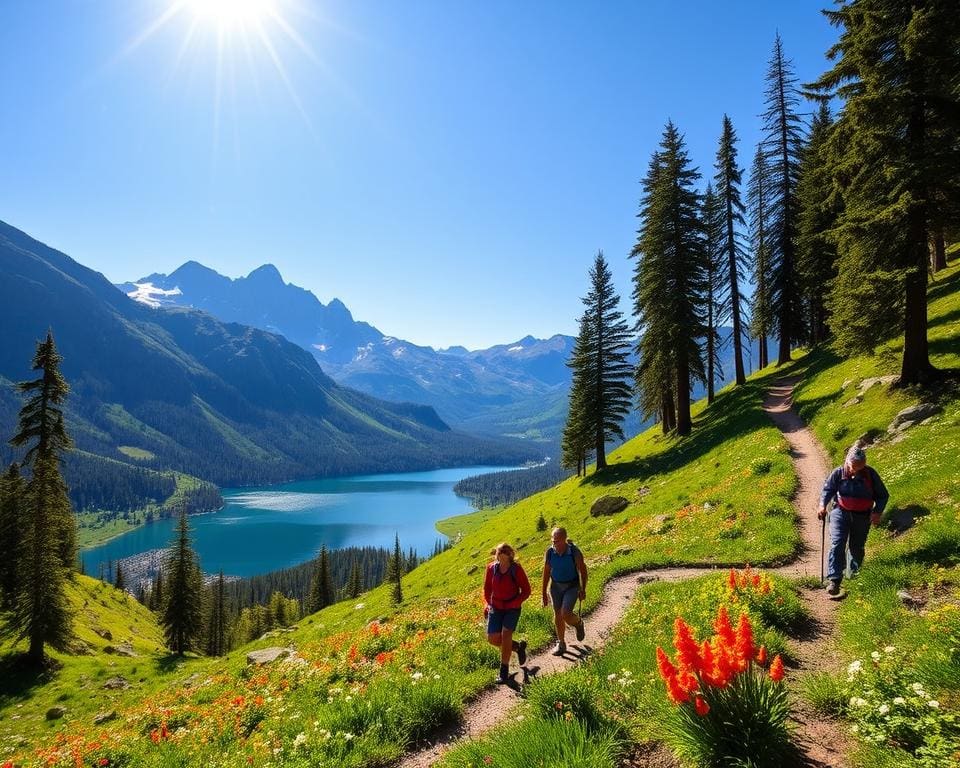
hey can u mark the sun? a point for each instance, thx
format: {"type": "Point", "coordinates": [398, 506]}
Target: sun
{"type": "Point", "coordinates": [231, 14]}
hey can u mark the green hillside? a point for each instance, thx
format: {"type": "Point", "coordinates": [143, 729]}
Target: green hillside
{"type": "Point", "coordinates": [366, 679]}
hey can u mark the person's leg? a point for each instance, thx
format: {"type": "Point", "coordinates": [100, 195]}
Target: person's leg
{"type": "Point", "coordinates": [556, 598]}
{"type": "Point", "coordinates": [506, 646]}
{"type": "Point", "coordinates": [494, 638]}
{"type": "Point", "coordinates": [839, 532]}
{"type": "Point", "coordinates": [569, 616]}
{"type": "Point", "coordinates": [859, 529]}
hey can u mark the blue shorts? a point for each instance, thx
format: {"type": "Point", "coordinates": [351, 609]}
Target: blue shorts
{"type": "Point", "coordinates": [499, 620]}
{"type": "Point", "coordinates": [564, 594]}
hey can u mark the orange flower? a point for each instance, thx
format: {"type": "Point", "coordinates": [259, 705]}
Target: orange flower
{"type": "Point", "coordinates": [723, 628]}
{"type": "Point", "coordinates": [688, 653]}
{"type": "Point", "coordinates": [258, 701]}
{"type": "Point", "coordinates": [666, 669]}
{"type": "Point", "coordinates": [756, 580]}
{"type": "Point", "coordinates": [375, 628]}
{"type": "Point", "coordinates": [701, 706]}
{"type": "Point", "coordinates": [762, 656]}
{"type": "Point", "coordinates": [676, 691]}
{"type": "Point", "coordinates": [765, 589]}
{"type": "Point", "coordinates": [732, 580]}
{"type": "Point", "coordinates": [776, 669]}
{"type": "Point", "coordinates": [744, 644]}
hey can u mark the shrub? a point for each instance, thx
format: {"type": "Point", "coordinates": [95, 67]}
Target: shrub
{"type": "Point", "coordinates": [573, 695]}
{"type": "Point", "coordinates": [888, 706]}
{"type": "Point", "coordinates": [729, 710]}
{"type": "Point", "coordinates": [761, 466]}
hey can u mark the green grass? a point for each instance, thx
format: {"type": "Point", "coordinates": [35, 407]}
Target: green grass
{"type": "Point", "coordinates": [139, 454]}
{"type": "Point", "coordinates": [458, 526]}
{"type": "Point", "coordinates": [719, 496]}
{"type": "Point", "coordinates": [921, 473]}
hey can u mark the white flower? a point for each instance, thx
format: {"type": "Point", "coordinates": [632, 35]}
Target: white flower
{"type": "Point", "coordinates": [933, 704]}
{"type": "Point", "coordinates": [854, 728]}
{"type": "Point", "coordinates": [348, 736]}
{"type": "Point", "coordinates": [883, 709]}
{"type": "Point", "coordinates": [417, 675]}
{"type": "Point", "coordinates": [300, 740]}
{"type": "Point", "coordinates": [358, 606]}
{"type": "Point", "coordinates": [889, 649]}
{"type": "Point", "coordinates": [917, 688]}
{"type": "Point", "coordinates": [856, 701]}
{"type": "Point", "coordinates": [875, 655]}
{"type": "Point", "coordinates": [612, 676]}
{"type": "Point", "coordinates": [855, 667]}
{"type": "Point", "coordinates": [899, 701]}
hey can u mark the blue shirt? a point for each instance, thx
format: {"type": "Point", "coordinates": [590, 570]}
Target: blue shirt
{"type": "Point", "coordinates": [856, 487]}
{"type": "Point", "coordinates": [563, 567]}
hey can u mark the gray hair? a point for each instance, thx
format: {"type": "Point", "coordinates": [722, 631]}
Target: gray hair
{"type": "Point", "coordinates": [856, 453]}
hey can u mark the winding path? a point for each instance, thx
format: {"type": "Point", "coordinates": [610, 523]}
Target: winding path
{"type": "Point", "coordinates": [822, 743]}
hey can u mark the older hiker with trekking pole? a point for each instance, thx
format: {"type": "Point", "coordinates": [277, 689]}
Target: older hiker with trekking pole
{"type": "Point", "coordinates": [859, 497]}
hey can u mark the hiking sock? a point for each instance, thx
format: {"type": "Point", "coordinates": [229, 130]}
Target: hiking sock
{"type": "Point", "coordinates": [521, 649]}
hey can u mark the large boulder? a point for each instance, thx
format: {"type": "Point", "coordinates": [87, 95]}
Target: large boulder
{"type": "Point", "coordinates": [105, 717]}
{"type": "Point", "coordinates": [913, 415]}
{"type": "Point", "coordinates": [267, 655]}
{"type": "Point", "coordinates": [117, 683]}
{"type": "Point", "coordinates": [608, 505]}
{"type": "Point", "coordinates": [55, 713]}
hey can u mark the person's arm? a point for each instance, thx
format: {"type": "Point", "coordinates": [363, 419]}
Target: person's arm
{"type": "Point", "coordinates": [524, 583]}
{"type": "Point", "coordinates": [829, 491]}
{"type": "Point", "coordinates": [546, 580]}
{"type": "Point", "coordinates": [487, 589]}
{"type": "Point", "coordinates": [880, 494]}
{"type": "Point", "coordinates": [582, 568]}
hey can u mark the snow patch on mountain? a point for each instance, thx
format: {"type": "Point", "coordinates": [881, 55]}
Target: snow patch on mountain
{"type": "Point", "coordinates": [151, 295]}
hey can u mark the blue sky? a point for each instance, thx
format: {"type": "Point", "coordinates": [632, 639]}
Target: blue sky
{"type": "Point", "coordinates": [447, 169]}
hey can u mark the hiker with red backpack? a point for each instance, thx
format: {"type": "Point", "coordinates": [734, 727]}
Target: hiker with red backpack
{"type": "Point", "coordinates": [505, 587]}
{"type": "Point", "coordinates": [859, 497]}
{"type": "Point", "coordinates": [566, 573]}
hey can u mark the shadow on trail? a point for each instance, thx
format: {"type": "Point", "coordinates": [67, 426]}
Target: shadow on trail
{"type": "Point", "coordinates": [735, 412]}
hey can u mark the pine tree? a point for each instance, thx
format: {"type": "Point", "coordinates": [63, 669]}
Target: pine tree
{"type": "Point", "coordinates": [576, 442]}
{"type": "Point", "coordinates": [730, 246]}
{"type": "Point", "coordinates": [182, 616]}
{"type": "Point", "coordinates": [896, 161]}
{"type": "Point", "coordinates": [713, 226]}
{"type": "Point", "coordinates": [783, 143]}
{"type": "Point", "coordinates": [395, 572]}
{"type": "Point", "coordinates": [761, 306]}
{"type": "Point", "coordinates": [321, 586]}
{"type": "Point", "coordinates": [13, 490]}
{"type": "Point", "coordinates": [48, 536]}
{"type": "Point", "coordinates": [602, 365]}
{"type": "Point", "coordinates": [157, 592]}
{"type": "Point", "coordinates": [355, 583]}
{"type": "Point", "coordinates": [119, 582]}
{"type": "Point", "coordinates": [670, 282]}
{"type": "Point", "coordinates": [218, 624]}
{"type": "Point", "coordinates": [819, 209]}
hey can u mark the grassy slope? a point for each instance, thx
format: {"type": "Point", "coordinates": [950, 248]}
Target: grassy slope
{"type": "Point", "coordinates": [719, 496]}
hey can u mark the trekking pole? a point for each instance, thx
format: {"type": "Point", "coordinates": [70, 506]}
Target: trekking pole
{"type": "Point", "coordinates": [823, 530]}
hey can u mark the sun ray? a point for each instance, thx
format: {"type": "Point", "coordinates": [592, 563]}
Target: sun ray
{"type": "Point", "coordinates": [282, 72]}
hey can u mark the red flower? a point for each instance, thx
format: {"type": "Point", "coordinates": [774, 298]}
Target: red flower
{"type": "Point", "coordinates": [723, 628]}
{"type": "Point", "coordinates": [666, 669]}
{"type": "Point", "coordinates": [732, 580]}
{"type": "Point", "coordinates": [776, 669]}
{"type": "Point", "coordinates": [688, 652]}
{"type": "Point", "coordinates": [762, 656]}
{"type": "Point", "coordinates": [744, 644]}
{"type": "Point", "coordinates": [676, 692]}
{"type": "Point", "coordinates": [756, 580]}
{"type": "Point", "coordinates": [104, 761]}
{"type": "Point", "coordinates": [701, 706]}
{"type": "Point", "coordinates": [765, 589]}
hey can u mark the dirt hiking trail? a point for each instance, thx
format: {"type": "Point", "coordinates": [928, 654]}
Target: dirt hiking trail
{"type": "Point", "coordinates": [821, 741]}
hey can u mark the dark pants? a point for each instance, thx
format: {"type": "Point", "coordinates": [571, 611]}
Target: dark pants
{"type": "Point", "coordinates": [847, 529]}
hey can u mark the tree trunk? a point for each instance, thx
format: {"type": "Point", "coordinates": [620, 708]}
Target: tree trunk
{"type": "Point", "coordinates": [939, 250]}
{"type": "Point", "coordinates": [683, 394]}
{"type": "Point", "coordinates": [764, 358]}
{"type": "Point", "coordinates": [710, 355]}
{"type": "Point", "coordinates": [734, 296]}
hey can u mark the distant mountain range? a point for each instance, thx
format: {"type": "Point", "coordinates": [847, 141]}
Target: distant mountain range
{"type": "Point", "coordinates": [518, 389]}
{"type": "Point", "coordinates": [185, 390]}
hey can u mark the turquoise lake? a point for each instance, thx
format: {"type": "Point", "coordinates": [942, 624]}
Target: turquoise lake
{"type": "Point", "coordinates": [265, 529]}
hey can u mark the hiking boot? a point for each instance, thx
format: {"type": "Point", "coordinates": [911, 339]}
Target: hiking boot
{"type": "Point", "coordinates": [504, 675]}
{"type": "Point", "coordinates": [522, 652]}
{"type": "Point", "coordinates": [834, 588]}
{"type": "Point", "coordinates": [579, 629]}
{"type": "Point", "coordinates": [560, 649]}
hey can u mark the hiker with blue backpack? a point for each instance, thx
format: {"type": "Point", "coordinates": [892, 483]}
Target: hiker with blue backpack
{"type": "Point", "coordinates": [505, 587]}
{"type": "Point", "coordinates": [566, 573]}
{"type": "Point", "coordinates": [859, 497]}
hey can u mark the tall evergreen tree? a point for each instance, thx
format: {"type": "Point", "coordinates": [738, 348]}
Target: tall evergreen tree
{"type": "Point", "coordinates": [321, 586]}
{"type": "Point", "coordinates": [182, 616]}
{"type": "Point", "coordinates": [714, 299]}
{"type": "Point", "coordinates": [355, 583]}
{"type": "Point", "coordinates": [670, 278]}
{"type": "Point", "coordinates": [896, 160]}
{"type": "Point", "coordinates": [761, 306]}
{"type": "Point", "coordinates": [602, 363]}
{"type": "Point", "coordinates": [577, 440]}
{"type": "Point", "coordinates": [395, 572]}
{"type": "Point", "coordinates": [157, 592]}
{"type": "Point", "coordinates": [218, 625]}
{"type": "Point", "coordinates": [119, 581]}
{"type": "Point", "coordinates": [783, 143]}
{"type": "Point", "coordinates": [730, 245]}
{"type": "Point", "coordinates": [13, 492]}
{"type": "Point", "coordinates": [48, 536]}
{"type": "Point", "coordinates": [819, 209]}
{"type": "Point", "coordinates": [42, 428]}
